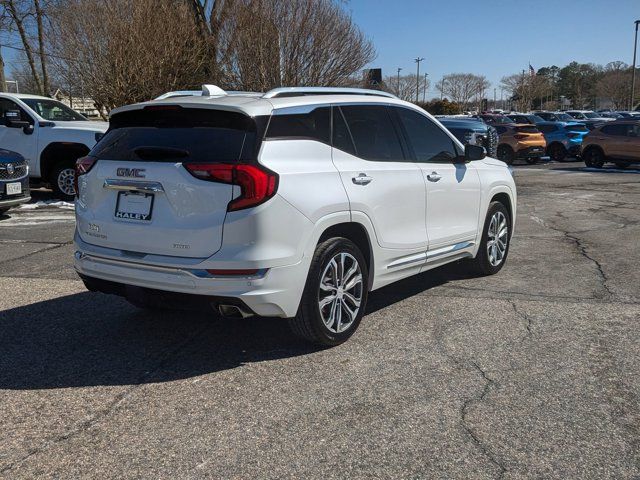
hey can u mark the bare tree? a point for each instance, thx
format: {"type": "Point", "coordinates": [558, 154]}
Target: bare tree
{"type": "Point", "coordinates": [405, 89]}
{"type": "Point", "coordinates": [136, 51]}
{"type": "Point", "coordinates": [261, 44]}
{"type": "Point", "coordinates": [461, 88]}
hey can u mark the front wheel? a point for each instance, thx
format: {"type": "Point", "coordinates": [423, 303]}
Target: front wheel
{"type": "Point", "coordinates": [62, 181]}
{"type": "Point", "coordinates": [494, 246]}
{"type": "Point", "coordinates": [3, 211]}
{"type": "Point", "coordinates": [593, 157]}
{"type": "Point", "coordinates": [335, 295]}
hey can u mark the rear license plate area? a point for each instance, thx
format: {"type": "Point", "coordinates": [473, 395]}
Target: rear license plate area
{"type": "Point", "coordinates": [134, 206]}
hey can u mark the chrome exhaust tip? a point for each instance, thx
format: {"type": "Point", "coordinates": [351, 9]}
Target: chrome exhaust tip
{"type": "Point", "coordinates": [233, 311]}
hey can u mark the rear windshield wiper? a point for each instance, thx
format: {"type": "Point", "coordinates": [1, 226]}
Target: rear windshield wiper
{"type": "Point", "coordinates": [160, 153]}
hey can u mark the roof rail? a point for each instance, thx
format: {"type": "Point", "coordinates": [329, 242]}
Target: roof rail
{"type": "Point", "coordinates": [302, 91]}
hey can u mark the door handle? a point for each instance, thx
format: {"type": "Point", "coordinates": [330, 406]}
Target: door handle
{"type": "Point", "coordinates": [362, 179]}
{"type": "Point", "coordinates": [433, 177]}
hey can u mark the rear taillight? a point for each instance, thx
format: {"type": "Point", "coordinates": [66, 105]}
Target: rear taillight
{"type": "Point", "coordinates": [573, 135]}
{"type": "Point", "coordinates": [519, 136]}
{"type": "Point", "coordinates": [257, 184]}
{"type": "Point", "coordinates": [83, 165]}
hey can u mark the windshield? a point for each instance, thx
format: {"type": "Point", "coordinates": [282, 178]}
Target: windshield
{"type": "Point", "coordinates": [592, 115]}
{"type": "Point", "coordinates": [52, 110]}
{"type": "Point", "coordinates": [563, 117]}
{"type": "Point", "coordinates": [535, 118]}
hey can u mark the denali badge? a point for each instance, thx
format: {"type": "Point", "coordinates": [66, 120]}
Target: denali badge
{"type": "Point", "coordinates": [130, 172]}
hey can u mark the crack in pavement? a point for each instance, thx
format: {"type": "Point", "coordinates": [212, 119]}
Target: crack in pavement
{"type": "Point", "coordinates": [583, 251]}
{"type": "Point", "coordinates": [464, 411]}
{"type": "Point", "coordinates": [46, 249]}
{"type": "Point", "coordinates": [103, 413]}
{"type": "Point", "coordinates": [528, 326]}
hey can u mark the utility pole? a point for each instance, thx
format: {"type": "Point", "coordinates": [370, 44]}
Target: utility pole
{"type": "Point", "coordinates": [633, 66]}
{"type": "Point", "coordinates": [398, 84]}
{"type": "Point", "coordinates": [424, 87]}
{"type": "Point", "coordinates": [3, 83]}
{"type": "Point", "coordinates": [418, 60]}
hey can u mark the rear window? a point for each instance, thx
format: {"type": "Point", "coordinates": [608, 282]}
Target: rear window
{"type": "Point", "coordinates": [167, 134]}
{"type": "Point", "coordinates": [576, 128]}
{"type": "Point", "coordinates": [527, 129]}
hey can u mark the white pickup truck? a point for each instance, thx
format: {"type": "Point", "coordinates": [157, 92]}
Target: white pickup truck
{"type": "Point", "coordinates": [49, 135]}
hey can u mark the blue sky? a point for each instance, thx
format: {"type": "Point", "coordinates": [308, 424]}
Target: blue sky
{"type": "Point", "coordinates": [495, 37]}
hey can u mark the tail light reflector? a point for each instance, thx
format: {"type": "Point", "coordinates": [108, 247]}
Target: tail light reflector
{"type": "Point", "coordinates": [257, 184]}
{"type": "Point", "coordinates": [83, 165]}
{"type": "Point", "coordinates": [241, 273]}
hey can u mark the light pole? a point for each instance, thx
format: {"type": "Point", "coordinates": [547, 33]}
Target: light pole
{"type": "Point", "coordinates": [398, 83]}
{"type": "Point", "coordinates": [633, 66]}
{"type": "Point", "coordinates": [418, 60]}
{"type": "Point", "coordinates": [424, 89]}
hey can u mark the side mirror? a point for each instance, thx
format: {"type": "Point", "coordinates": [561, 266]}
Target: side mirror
{"type": "Point", "coordinates": [28, 129]}
{"type": "Point", "coordinates": [14, 119]}
{"type": "Point", "coordinates": [471, 153]}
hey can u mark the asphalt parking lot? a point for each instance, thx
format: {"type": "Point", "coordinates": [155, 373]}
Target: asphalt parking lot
{"type": "Point", "coordinates": [532, 373]}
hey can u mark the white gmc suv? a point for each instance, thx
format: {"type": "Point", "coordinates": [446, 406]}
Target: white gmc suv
{"type": "Point", "coordinates": [49, 135]}
{"type": "Point", "coordinates": [293, 204]}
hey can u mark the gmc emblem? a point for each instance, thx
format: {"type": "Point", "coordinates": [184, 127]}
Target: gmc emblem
{"type": "Point", "coordinates": [130, 172]}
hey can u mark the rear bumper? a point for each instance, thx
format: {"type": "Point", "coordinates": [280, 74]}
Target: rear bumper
{"type": "Point", "coordinates": [275, 292]}
{"type": "Point", "coordinates": [531, 152]}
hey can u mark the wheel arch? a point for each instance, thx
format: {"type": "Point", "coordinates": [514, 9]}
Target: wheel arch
{"type": "Point", "coordinates": [60, 151]}
{"type": "Point", "coordinates": [553, 143]}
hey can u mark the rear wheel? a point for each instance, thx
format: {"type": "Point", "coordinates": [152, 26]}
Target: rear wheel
{"type": "Point", "coordinates": [621, 164]}
{"type": "Point", "coordinates": [494, 246]}
{"type": "Point", "coordinates": [61, 180]}
{"type": "Point", "coordinates": [506, 154]}
{"type": "Point", "coordinates": [3, 210]}
{"type": "Point", "coordinates": [557, 152]}
{"type": "Point", "coordinates": [593, 157]}
{"type": "Point", "coordinates": [335, 295]}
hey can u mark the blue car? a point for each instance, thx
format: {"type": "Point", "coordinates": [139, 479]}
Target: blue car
{"type": "Point", "coordinates": [563, 138]}
{"type": "Point", "coordinates": [14, 180]}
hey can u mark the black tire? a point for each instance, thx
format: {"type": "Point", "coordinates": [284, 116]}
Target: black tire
{"type": "Point", "coordinates": [621, 164]}
{"type": "Point", "coordinates": [3, 210]}
{"type": "Point", "coordinates": [308, 324]}
{"type": "Point", "coordinates": [506, 154]}
{"type": "Point", "coordinates": [61, 182]}
{"type": "Point", "coordinates": [557, 152]}
{"type": "Point", "coordinates": [532, 160]}
{"type": "Point", "coordinates": [482, 264]}
{"type": "Point", "coordinates": [593, 157]}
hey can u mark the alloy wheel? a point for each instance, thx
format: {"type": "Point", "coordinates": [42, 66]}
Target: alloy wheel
{"type": "Point", "coordinates": [340, 292]}
{"type": "Point", "coordinates": [65, 181]}
{"type": "Point", "coordinates": [497, 239]}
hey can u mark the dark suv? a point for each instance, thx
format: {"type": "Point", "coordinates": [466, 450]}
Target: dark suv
{"type": "Point", "coordinates": [14, 180]}
{"type": "Point", "coordinates": [473, 132]}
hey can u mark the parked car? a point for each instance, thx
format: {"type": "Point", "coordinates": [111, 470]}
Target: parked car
{"type": "Point", "coordinates": [473, 132]}
{"type": "Point", "coordinates": [14, 180]}
{"type": "Point", "coordinates": [323, 195]}
{"type": "Point", "coordinates": [563, 138]}
{"type": "Point", "coordinates": [617, 142]}
{"type": "Point", "coordinates": [554, 116]}
{"type": "Point", "coordinates": [520, 142]}
{"type": "Point", "coordinates": [492, 119]}
{"type": "Point", "coordinates": [49, 135]}
{"type": "Point", "coordinates": [524, 118]}
{"type": "Point", "coordinates": [628, 114]}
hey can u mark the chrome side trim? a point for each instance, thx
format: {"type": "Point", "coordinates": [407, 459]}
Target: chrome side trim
{"type": "Point", "coordinates": [133, 185]}
{"type": "Point", "coordinates": [417, 258]}
{"type": "Point", "coordinates": [438, 252]}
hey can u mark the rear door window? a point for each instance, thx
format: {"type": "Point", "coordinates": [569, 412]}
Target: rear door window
{"type": "Point", "coordinates": [615, 130]}
{"type": "Point", "coordinates": [427, 140]}
{"type": "Point", "coordinates": [178, 134]}
{"type": "Point", "coordinates": [374, 134]}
